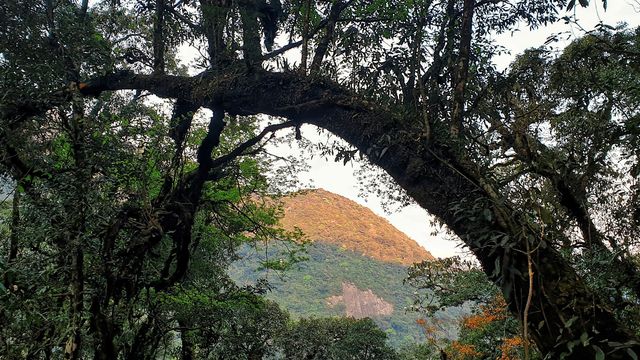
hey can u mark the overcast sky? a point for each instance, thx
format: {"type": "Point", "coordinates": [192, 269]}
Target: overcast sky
{"type": "Point", "coordinates": [413, 220]}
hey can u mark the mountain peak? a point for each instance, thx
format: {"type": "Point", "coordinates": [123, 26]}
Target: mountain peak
{"type": "Point", "coordinates": [327, 217]}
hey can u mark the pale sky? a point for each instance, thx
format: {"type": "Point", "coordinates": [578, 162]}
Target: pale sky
{"type": "Point", "coordinates": [413, 220]}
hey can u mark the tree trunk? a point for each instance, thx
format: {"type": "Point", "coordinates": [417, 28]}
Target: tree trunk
{"type": "Point", "coordinates": [158, 38]}
{"type": "Point", "coordinates": [15, 223]}
{"type": "Point", "coordinates": [563, 309]}
{"type": "Point", "coordinates": [250, 33]}
{"type": "Point", "coordinates": [186, 350]}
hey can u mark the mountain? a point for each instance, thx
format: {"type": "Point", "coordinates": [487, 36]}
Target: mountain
{"type": "Point", "coordinates": [356, 265]}
{"type": "Point", "coordinates": [333, 219]}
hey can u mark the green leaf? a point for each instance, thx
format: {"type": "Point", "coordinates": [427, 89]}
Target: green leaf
{"type": "Point", "coordinates": [545, 215]}
{"type": "Point", "coordinates": [384, 151]}
{"type": "Point", "coordinates": [599, 352]}
{"type": "Point", "coordinates": [570, 322]}
{"type": "Point", "coordinates": [584, 338]}
{"type": "Point", "coordinates": [486, 213]}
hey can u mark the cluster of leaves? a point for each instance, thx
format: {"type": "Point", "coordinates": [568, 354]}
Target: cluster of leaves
{"type": "Point", "coordinates": [114, 249]}
{"type": "Point", "coordinates": [336, 338]}
{"type": "Point", "coordinates": [92, 221]}
{"type": "Point", "coordinates": [485, 328]}
{"type": "Point", "coordinates": [587, 170]}
{"type": "Point", "coordinates": [237, 325]}
{"type": "Point", "coordinates": [450, 279]}
{"type": "Point", "coordinates": [129, 164]}
{"type": "Point", "coordinates": [489, 332]}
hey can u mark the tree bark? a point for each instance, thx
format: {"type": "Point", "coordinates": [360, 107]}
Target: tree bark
{"type": "Point", "coordinates": [462, 68]}
{"type": "Point", "coordinates": [15, 223]}
{"type": "Point", "coordinates": [104, 349]}
{"type": "Point", "coordinates": [214, 17]}
{"type": "Point", "coordinates": [186, 350]}
{"type": "Point", "coordinates": [75, 244]}
{"type": "Point", "coordinates": [158, 38]}
{"type": "Point", "coordinates": [323, 45]}
{"type": "Point", "coordinates": [250, 33]}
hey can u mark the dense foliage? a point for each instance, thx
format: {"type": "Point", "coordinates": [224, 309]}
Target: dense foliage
{"type": "Point", "coordinates": [90, 244]}
{"type": "Point", "coordinates": [335, 339]}
{"type": "Point", "coordinates": [305, 288]}
{"type": "Point", "coordinates": [129, 194]}
{"type": "Point", "coordinates": [485, 329]}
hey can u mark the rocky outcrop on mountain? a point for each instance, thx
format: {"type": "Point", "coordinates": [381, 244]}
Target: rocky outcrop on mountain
{"type": "Point", "coordinates": [331, 218]}
{"type": "Point", "coordinates": [355, 267]}
{"type": "Point", "coordinates": [360, 304]}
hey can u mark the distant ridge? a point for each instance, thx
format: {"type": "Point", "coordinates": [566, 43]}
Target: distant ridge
{"type": "Point", "coordinates": [355, 266]}
{"type": "Point", "coordinates": [327, 217]}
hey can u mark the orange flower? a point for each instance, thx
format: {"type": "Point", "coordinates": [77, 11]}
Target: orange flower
{"type": "Point", "coordinates": [461, 351]}
{"type": "Point", "coordinates": [494, 311]}
{"type": "Point", "coordinates": [478, 321]}
{"type": "Point", "coordinates": [510, 347]}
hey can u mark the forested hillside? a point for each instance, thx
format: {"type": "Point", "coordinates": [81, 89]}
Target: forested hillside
{"type": "Point", "coordinates": [306, 289]}
{"type": "Point", "coordinates": [352, 251]}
